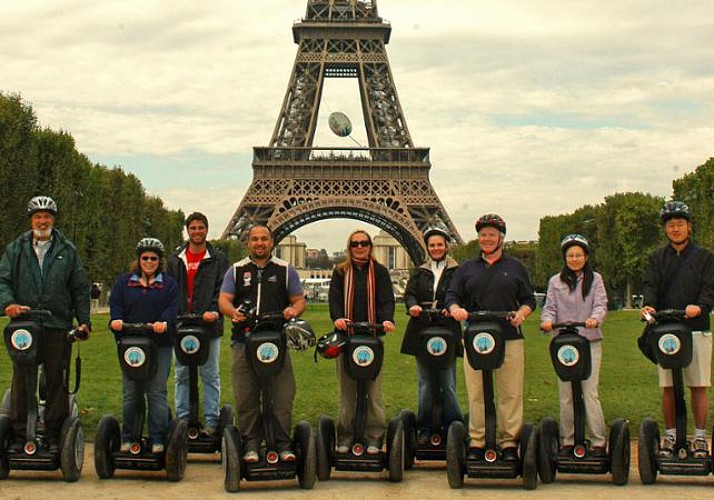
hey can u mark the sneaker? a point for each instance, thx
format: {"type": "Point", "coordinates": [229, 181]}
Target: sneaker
{"type": "Point", "coordinates": [699, 448]}
{"type": "Point", "coordinates": [510, 454]}
{"type": "Point", "coordinates": [342, 449]}
{"type": "Point", "coordinates": [251, 457]}
{"type": "Point", "coordinates": [157, 448]}
{"type": "Point", "coordinates": [666, 447]}
{"type": "Point", "coordinates": [208, 431]}
{"type": "Point", "coordinates": [125, 447]}
{"type": "Point", "coordinates": [475, 453]}
{"type": "Point", "coordinates": [287, 456]}
{"type": "Point", "coordinates": [373, 450]}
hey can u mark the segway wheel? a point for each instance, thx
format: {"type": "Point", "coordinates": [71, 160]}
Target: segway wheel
{"type": "Point", "coordinates": [226, 417]}
{"type": "Point", "coordinates": [5, 407]}
{"type": "Point", "coordinates": [547, 450]}
{"type": "Point", "coordinates": [5, 432]}
{"type": "Point", "coordinates": [305, 446]}
{"type": "Point", "coordinates": [73, 406]}
{"type": "Point", "coordinates": [176, 450]}
{"type": "Point", "coordinates": [231, 451]}
{"type": "Point", "coordinates": [325, 447]}
{"type": "Point", "coordinates": [410, 437]}
{"type": "Point", "coordinates": [529, 448]}
{"type": "Point", "coordinates": [620, 451]}
{"type": "Point", "coordinates": [456, 455]}
{"type": "Point", "coordinates": [106, 443]}
{"type": "Point", "coordinates": [71, 449]}
{"type": "Point", "coordinates": [397, 450]}
{"type": "Point", "coordinates": [647, 450]}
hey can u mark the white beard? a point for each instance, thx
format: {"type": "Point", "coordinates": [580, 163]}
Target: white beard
{"type": "Point", "coordinates": [42, 234]}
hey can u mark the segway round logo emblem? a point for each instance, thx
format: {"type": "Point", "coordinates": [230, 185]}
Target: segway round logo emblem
{"type": "Point", "coordinates": [436, 346]}
{"type": "Point", "coordinates": [134, 357]}
{"type": "Point", "coordinates": [484, 343]}
{"type": "Point", "coordinates": [363, 356]}
{"type": "Point", "coordinates": [267, 352]}
{"type": "Point", "coordinates": [568, 355]}
{"type": "Point", "coordinates": [190, 344]}
{"type": "Point", "coordinates": [669, 344]}
{"type": "Point", "coordinates": [21, 339]}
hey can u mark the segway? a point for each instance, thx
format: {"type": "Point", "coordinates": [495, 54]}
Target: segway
{"type": "Point", "coordinates": [266, 347]}
{"type": "Point", "coordinates": [23, 339]}
{"type": "Point", "coordinates": [192, 348]}
{"type": "Point", "coordinates": [437, 349]}
{"type": "Point", "coordinates": [570, 355]}
{"type": "Point", "coordinates": [671, 342]}
{"type": "Point", "coordinates": [363, 355]}
{"type": "Point", "coordinates": [485, 347]}
{"type": "Point", "coordinates": [137, 358]}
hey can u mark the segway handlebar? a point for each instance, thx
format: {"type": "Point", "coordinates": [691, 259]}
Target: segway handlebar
{"type": "Point", "coordinates": [137, 326]}
{"type": "Point", "coordinates": [190, 317]}
{"type": "Point", "coordinates": [75, 334]}
{"type": "Point", "coordinates": [663, 314]}
{"type": "Point", "coordinates": [566, 324]}
{"type": "Point", "coordinates": [36, 314]}
{"type": "Point", "coordinates": [490, 315]}
{"type": "Point", "coordinates": [364, 328]}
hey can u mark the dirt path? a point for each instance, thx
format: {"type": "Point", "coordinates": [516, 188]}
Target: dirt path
{"type": "Point", "coordinates": [204, 479]}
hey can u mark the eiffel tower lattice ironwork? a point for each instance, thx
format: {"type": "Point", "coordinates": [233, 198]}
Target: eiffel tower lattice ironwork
{"type": "Point", "coordinates": [386, 184]}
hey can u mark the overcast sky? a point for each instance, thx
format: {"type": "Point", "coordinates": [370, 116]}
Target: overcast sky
{"type": "Point", "coordinates": [530, 108]}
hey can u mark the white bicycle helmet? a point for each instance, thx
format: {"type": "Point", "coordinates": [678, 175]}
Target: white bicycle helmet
{"type": "Point", "coordinates": [40, 204]}
{"type": "Point", "coordinates": [150, 245]}
{"type": "Point", "coordinates": [299, 335]}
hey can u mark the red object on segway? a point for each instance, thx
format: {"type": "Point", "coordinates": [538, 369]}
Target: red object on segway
{"type": "Point", "coordinates": [23, 339]}
{"type": "Point", "coordinates": [266, 348]}
{"type": "Point", "coordinates": [484, 346]}
{"type": "Point", "coordinates": [570, 356]}
{"type": "Point", "coordinates": [670, 340]}
{"type": "Point", "coordinates": [363, 354]}
{"type": "Point", "coordinates": [137, 358]}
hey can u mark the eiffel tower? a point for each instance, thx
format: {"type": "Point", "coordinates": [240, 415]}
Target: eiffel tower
{"type": "Point", "coordinates": [385, 184]}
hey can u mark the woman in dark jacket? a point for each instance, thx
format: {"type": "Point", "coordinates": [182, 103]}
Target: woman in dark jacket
{"type": "Point", "coordinates": [147, 295]}
{"type": "Point", "coordinates": [429, 284]}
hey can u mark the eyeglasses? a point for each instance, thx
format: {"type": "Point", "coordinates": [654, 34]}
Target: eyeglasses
{"type": "Point", "coordinates": [361, 243]}
{"type": "Point", "coordinates": [152, 258]}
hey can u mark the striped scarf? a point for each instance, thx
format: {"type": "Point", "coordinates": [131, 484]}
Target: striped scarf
{"type": "Point", "coordinates": [371, 292]}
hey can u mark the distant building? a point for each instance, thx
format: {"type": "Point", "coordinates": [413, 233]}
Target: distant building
{"type": "Point", "coordinates": [293, 251]}
{"type": "Point", "coordinates": [390, 253]}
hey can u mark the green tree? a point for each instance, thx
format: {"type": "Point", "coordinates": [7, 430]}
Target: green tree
{"type": "Point", "coordinates": [696, 189]}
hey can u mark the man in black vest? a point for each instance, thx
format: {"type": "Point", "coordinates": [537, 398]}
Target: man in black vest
{"type": "Point", "coordinates": [680, 275]}
{"type": "Point", "coordinates": [271, 285]}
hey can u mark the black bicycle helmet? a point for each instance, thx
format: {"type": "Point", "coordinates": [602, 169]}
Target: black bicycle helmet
{"type": "Point", "coordinates": [491, 220]}
{"type": "Point", "coordinates": [436, 231]}
{"type": "Point", "coordinates": [673, 209]}
{"type": "Point", "coordinates": [150, 245]}
{"type": "Point", "coordinates": [40, 204]}
{"type": "Point", "coordinates": [575, 239]}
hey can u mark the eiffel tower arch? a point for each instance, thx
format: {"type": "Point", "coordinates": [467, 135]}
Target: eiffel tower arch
{"type": "Point", "coordinates": [385, 184]}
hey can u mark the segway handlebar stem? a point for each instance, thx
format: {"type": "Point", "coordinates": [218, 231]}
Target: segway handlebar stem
{"type": "Point", "coordinates": [673, 314]}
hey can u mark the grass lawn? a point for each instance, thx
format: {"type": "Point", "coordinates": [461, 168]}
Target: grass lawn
{"type": "Point", "coordinates": [628, 385]}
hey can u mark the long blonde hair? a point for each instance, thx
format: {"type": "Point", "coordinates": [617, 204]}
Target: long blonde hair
{"type": "Point", "coordinates": [345, 264]}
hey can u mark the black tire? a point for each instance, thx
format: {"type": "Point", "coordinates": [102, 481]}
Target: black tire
{"type": "Point", "coordinates": [456, 455]}
{"type": "Point", "coordinates": [325, 447]}
{"type": "Point", "coordinates": [397, 450]}
{"type": "Point", "coordinates": [547, 450]}
{"type": "Point", "coordinates": [73, 406]}
{"type": "Point", "coordinates": [620, 451]}
{"type": "Point", "coordinates": [231, 458]}
{"type": "Point", "coordinates": [106, 443]}
{"type": "Point", "coordinates": [5, 434]}
{"type": "Point", "coordinates": [71, 449]}
{"type": "Point", "coordinates": [529, 447]}
{"type": "Point", "coordinates": [305, 446]}
{"type": "Point", "coordinates": [410, 437]}
{"type": "Point", "coordinates": [5, 407]}
{"type": "Point", "coordinates": [647, 451]}
{"type": "Point", "coordinates": [226, 417]}
{"type": "Point", "coordinates": [176, 450]}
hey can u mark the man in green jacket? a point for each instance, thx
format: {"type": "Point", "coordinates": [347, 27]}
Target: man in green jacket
{"type": "Point", "coordinates": [41, 269]}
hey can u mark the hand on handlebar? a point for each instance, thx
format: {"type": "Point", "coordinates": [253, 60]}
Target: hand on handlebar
{"type": "Point", "coordinates": [647, 310]}
{"type": "Point", "coordinates": [516, 319]}
{"type": "Point", "coordinates": [591, 323]}
{"type": "Point", "coordinates": [289, 313]}
{"type": "Point", "coordinates": [692, 311]}
{"type": "Point", "coordinates": [116, 325]}
{"type": "Point", "coordinates": [546, 326]}
{"type": "Point", "coordinates": [415, 311]}
{"type": "Point", "coordinates": [210, 316]}
{"type": "Point", "coordinates": [341, 323]}
{"type": "Point", "coordinates": [459, 314]}
{"type": "Point", "coordinates": [15, 310]}
{"type": "Point", "coordinates": [388, 326]}
{"type": "Point", "coordinates": [159, 327]}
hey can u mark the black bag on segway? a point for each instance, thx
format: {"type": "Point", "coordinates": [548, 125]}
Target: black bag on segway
{"type": "Point", "coordinates": [485, 345]}
{"type": "Point", "coordinates": [23, 339]}
{"type": "Point", "coordinates": [363, 356]}
{"type": "Point", "coordinates": [137, 356]}
{"type": "Point", "coordinates": [191, 345]}
{"type": "Point", "coordinates": [570, 355]}
{"type": "Point", "coordinates": [437, 346]}
{"type": "Point", "coordinates": [671, 343]}
{"type": "Point", "coordinates": [266, 347]}
{"type": "Point", "coordinates": [644, 344]}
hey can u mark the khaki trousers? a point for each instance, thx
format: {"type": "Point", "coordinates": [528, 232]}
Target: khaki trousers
{"type": "Point", "coordinates": [508, 388]}
{"type": "Point", "coordinates": [376, 424]}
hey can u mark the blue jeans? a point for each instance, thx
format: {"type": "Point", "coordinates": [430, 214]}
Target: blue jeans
{"type": "Point", "coordinates": [210, 382]}
{"type": "Point", "coordinates": [155, 390]}
{"type": "Point", "coordinates": [450, 410]}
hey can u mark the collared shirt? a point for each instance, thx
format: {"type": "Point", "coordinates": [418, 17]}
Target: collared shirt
{"type": "Point", "coordinates": [563, 304]}
{"type": "Point", "coordinates": [437, 268]}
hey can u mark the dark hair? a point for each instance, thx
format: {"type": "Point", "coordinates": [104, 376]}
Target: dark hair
{"type": "Point", "coordinates": [569, 277]}
{"type": "Point", "coordinates": [196, 216]}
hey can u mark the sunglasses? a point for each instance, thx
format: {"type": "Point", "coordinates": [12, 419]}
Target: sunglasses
{"type": "Point", "coordinates": [363, 243]}
{"type": "Point", "coordinates": [152, 258]}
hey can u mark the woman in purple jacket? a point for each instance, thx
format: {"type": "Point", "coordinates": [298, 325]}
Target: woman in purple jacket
{"type": "Point", "coordinates": [577, 293]}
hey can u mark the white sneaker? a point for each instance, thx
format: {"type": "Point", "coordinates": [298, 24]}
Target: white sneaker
{"type": "Point", "coordinates": [666, 448]}
{"type": "Point", "coordinates": [699, 448]}
{"type": "Point", "coordinates": [373, 450]}
{"type": "Point", "coordinates": [251, 457]}
{"type": "Point", "coordinates": [125, 446]}
{"type": "Point", "coordinates": [342, 449]}
{"type": "Point", "coordinates": [157, 448]}
{"type": "Point", "coordinates": [287, 456]}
